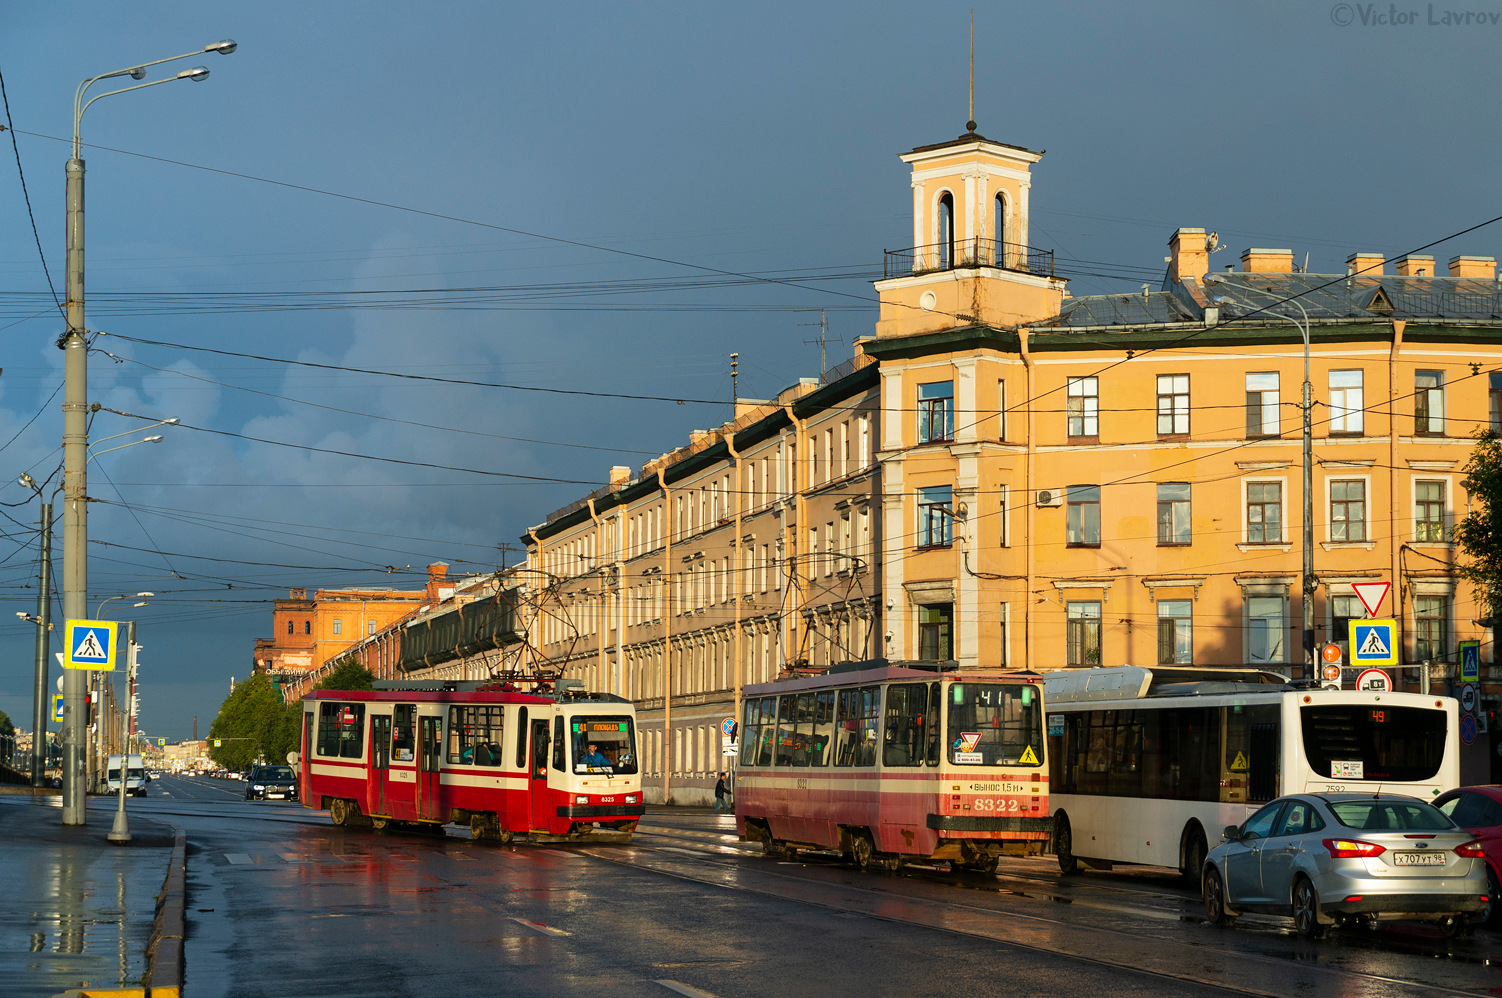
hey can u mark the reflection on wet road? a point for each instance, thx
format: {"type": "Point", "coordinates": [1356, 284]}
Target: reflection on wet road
{"type": "Point", "coordinates": [282, 902]}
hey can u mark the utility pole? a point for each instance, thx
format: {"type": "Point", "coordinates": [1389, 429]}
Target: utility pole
{"type": "Point", "coordinates": [735, 393]}
{"type": "Point", "coordinates": [39, 710]}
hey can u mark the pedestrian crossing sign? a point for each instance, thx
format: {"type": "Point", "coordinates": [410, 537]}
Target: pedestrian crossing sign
{"type": "Point", "coordinates": [1374, 642]}
{"type": "Point", "coordinates": [90, 644]}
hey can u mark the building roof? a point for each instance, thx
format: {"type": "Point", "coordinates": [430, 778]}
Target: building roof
{"type": "Point", "coordinates": [1124, 310]}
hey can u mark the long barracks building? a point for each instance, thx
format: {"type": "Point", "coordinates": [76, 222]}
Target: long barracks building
{"type": "Point", "coordinates": [1015, 478]}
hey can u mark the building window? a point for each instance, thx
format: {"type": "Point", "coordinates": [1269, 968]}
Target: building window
{"type": "Point", "coordinates": [936, 412]}
{"type": "Point", "coordinates": [1083, 407]}
{"type": "Point", "coordinates": [1173, 405]}
{"type": "Point", "coordinates": [935, 628]}
{"type": "Point", "coordinates": [1082, 633]}
{"type": "Point", "coordinates": [999, 229]}
{"type": "Point", "coordinates": [1429, 403]}
{"type": "Point", "coordinates": [370, 627]}
{"type": "Point", "coordinates": [1265, 629]}
{"type": "Point", "coordinates": [1264, 512]}
{"type": "Point", "coordinates": [1082, 518]}
{"type": "Point", "coordinates": [338, 627]}
{"type": "Point", "coordinates": [946, 231]}
{"type": "Point", "coordinates": [1001, 410]}
{"type": "Point", "coordinates": [1348, 510]}
{"type": "Point", "coordinates": [1262, 405]}
{"type": "Point", "coordinates": [290, 628]}
{"type": "Point", "coordinates": [307, 627]}
{"type": "Point", "coordinates": [1003, 655]}
{"type": "Point", "coordinates": [1347, 403]}
{"type": "Point", "coordinates": [934, 520]}
{"type": "Point", "coordinates": [1343, 610]}
{"type": "Point", "coordinates": [1429, 512]}
{"type": "Point", "coordinates": [1494, 402]}
{"type": "Point", "coordinates": [1173, 513]}
{"type": "Point", "coordinates": [1175, 633]}
{"type": "Point", "coordinates": [1430, 619]}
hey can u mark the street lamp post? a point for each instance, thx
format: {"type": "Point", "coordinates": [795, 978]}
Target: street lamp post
{"type": "Point", "coordinates": [1307, 580]}
{"type": "Point", "coordinates": [75, 585]}
{"type": "Point", "coordinates": [43, 642]}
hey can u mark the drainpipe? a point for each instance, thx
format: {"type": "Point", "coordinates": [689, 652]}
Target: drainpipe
{"type": "Point", "coordinates": [667, 633]}
{"type": "Point", "coordinates": [740, 501]}
{"type": "Point", "coordinates": [795, 615]}
{"type": "Point", "coordinates": [599, 617]}
{"type": "Point", "coordinates": [1395, 546]}
{"type": "Point", "coordinates": [618, 680]}
{"type": "Point", "coordinates": [1027, 486]}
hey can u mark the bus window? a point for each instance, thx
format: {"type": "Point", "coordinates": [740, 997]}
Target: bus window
{"type": "Point", "coordinates": [1373, 741]}
{"type": "Point", "coordinates": [905, 742]}
{"type": "Point", "coordinates": [823, 729]}
{"type": "Point", "coordinates": [993, 724]}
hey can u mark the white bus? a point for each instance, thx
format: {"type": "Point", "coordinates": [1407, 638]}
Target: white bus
{"type": "Point", "coordinates": [1149, 765]}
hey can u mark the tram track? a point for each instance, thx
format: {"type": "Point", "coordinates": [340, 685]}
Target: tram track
{"type": "Point", "coordinates": [1202, 962]}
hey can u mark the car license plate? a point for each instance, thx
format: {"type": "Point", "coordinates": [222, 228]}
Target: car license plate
{"type": "Point", "coordinates": [275, 795]}
{"type": "Point", "coordinates": [1418, 859]}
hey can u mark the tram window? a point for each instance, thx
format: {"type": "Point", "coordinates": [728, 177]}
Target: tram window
{"type": "Point", "coordinates": [931, 724]}
{"type": "Point", "coordinates": [403, 732]}
{"type": "Point", "coordinates": [823, 729]}
{"type": "Point", "coordinates": [753, 732]}
{"type": "Point", "coordinates": [559, 746]}
{"type": "Point", "coordinates": [870, 725]}
{"type": "Point", "coordinates": [995, 724]}
{"type": "Point", "coordinates": [905, 743]}
{"type": "Point", "coordinates": [803, 741]}
{"type": "Point", "coordinates": [521, 739]}
{"type": "Point", "coordinates": [328, 729]}
{"type": "Point", "coordinates": [351, 734]}
{"type": "Point", "coordinates": [768, 727]}
{"type": "Point", "coordinates": [846, 726]}
{"type": "Point", "coordinates": [476, 735]}
{"type": "Point", "coordinates": [787, 730]}
{"type": "Point", "coordinates": [611, 740]}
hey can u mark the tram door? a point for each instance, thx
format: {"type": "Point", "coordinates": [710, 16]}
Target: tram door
{"type": "Point", "coordinates": [380, 765]}
{"type": "Point", "coordinates": [539, 779]}
{"type": "Point", "coordinates": [429, 744]}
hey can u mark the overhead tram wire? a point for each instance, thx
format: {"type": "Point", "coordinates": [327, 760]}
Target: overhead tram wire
{"type": "Point", "coordinates": [26, 195]}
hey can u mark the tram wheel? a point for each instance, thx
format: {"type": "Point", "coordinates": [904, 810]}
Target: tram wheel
{"type": "Point", "coordinates": [861, 850]}
{"type": "Point", "coordinates": [771, 848]}
{"type": "Point", "coordinates": [984, 864]}
{"type": "Point", "coordinates": [888, 862]}
{"type": "Point", "coordinates": [339, 811]}
{"type": "Point", "coordinates": [1063, 846]}
{"type": "Point", "coordinates": [379, 824]}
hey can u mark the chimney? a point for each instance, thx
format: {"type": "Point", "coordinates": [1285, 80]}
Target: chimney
{"type": "Point", "coordinates": [1416, 265]}
{"type": "Point", "coordinates": [620, 476]}
{"type": "Point", "coordinates": [299, 593]}
{"type": "Point", "coordinates": [1189, 259]}
{"type": "Point", "coordinates": [1267, 261]}
{"type": "Point", "coordinates": [1366, 264]}
{"type": "Point", "coordinates": [1484, 267]}
{"type": "Point", "coordinates": [437, 572]}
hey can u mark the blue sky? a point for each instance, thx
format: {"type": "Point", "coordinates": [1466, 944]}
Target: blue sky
{"type": "Point", "coordinates": [674, 141]}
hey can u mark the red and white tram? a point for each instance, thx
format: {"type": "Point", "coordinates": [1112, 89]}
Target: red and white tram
{"type": "Point", "coordinates": [888, 764]}
{"type": "Point", "coordinates": [550, 765]}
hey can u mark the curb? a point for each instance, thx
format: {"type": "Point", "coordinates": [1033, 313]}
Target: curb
{"type": "Point", "coordinates": [164, 953]}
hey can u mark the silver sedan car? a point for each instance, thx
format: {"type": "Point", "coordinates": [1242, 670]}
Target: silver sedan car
{"type": "Point", "coordinates": [1329, 859]}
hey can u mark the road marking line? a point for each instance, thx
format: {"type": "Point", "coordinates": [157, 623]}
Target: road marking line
{"type": "Point", "coordinates": [293, 857]}
{"type": "Point", "coordinates": [545, 929]}
{"type": "Point", "coordinates": [238, 858]}
{"type": "Point", "coordinates": [684, 989]}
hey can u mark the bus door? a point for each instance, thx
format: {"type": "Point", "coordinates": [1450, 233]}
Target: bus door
{"type": "Point", "coordinates": [379, 775]}
{"type": "Point", "coordinates": [429, 744]}
{"type": "Point", "coordinates": [542, 809]}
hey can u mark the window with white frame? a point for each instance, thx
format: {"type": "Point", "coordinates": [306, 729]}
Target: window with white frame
{"type": "Point", "coordinates": [1494, 402]}
{"type": "Point", "coordinates": [1262, 404]}
{"type": "Point", "coordinates": [1173, 514]}
{"type": "Point", "coordinates": [936, 412]}
{"type": "Point", "coordinates": [1082, 633]}
{"type": "Point", "coordinates": [1347, 402]}
{"type": "Point", "coordinates": [1429, 511]}
{"type": "Point", "coordinates": [1429, 403]}
{"type": "Point", "coordinates": [1082, 516]}
{"type": "Point", "coordinates": [934, 520]}
{"type": "Point", "coordinates": [1173, 405]}
{"type": "Point", "coordinates": [1175, 632]}
{"type": "Point", "coordinates": [1348, 510]}
{"type": "Point", "coordinates": [1082, 405]}
{"type": "Point", "coordinates": [338, 627]}
{"type": "Point", "coordinates": [1001, 410]}
{"type": "Point", "coordinates": [1431, 618]}
{"type": "Point", "coordinates": [1265, 629]}
{"type": "Point", "coordinates": [1264, 512]}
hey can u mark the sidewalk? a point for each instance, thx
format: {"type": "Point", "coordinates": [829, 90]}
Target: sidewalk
{"type": "Point", "coordinates": [78, 911]}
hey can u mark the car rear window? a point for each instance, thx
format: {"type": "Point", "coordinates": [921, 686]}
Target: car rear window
{"type": "Point", "coordinates": [1390, 815]}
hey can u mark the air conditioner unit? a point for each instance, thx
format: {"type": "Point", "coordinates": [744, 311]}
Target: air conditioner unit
{"type": "Point", "coordinates": [1050, 497]}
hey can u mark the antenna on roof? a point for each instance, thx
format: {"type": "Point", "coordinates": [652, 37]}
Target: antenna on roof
{"type": "Point", "coordinates": [970, 124]}
{"type": "Point", "coordinates": [735, 394]}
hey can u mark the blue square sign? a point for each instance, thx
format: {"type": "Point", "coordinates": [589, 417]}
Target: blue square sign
{"type": "Point", "coordinates": [1374, 642]}
{"type": "Point", "coordinates": [89, 644]}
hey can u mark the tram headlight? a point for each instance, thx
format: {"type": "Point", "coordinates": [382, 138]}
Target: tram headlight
{"type": "Point", "coordinates": [631, 798]}
{"type": "Point", "coordinates": [581, 799]}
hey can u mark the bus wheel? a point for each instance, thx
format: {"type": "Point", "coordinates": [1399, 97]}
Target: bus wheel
{"type": "Point", "coordinates": [1193, 852]}
{"type": "Point", "coordinates": [1063, 846]}
{"type": "Point", "coordinates": [861, 850]}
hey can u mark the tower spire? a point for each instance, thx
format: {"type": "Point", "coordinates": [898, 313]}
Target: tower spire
{"type": "Point", "coordinates": [970, 124]}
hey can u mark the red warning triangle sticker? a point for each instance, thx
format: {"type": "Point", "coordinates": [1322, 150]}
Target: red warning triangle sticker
{"type": "Point", "coordinates": [1371, 595]}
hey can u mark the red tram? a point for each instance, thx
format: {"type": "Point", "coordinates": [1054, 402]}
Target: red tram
{"type": "Point", "coordinates": [555, 766]}
{"type": "Point", "coordinates": [889, 764]}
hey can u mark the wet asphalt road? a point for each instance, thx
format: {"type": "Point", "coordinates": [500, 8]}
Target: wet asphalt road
{"type": "Point", "coordinates": [283, 903]}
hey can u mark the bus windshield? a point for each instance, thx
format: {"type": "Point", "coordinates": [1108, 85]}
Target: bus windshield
{"type": "Point", "coordinates": [1374, 742]}
{"type": "Point", "coordinates": [992, 724]}
{"type": "Point", "coordinates": [602, 745]}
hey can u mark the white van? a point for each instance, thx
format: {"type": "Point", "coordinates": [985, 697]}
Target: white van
{"type": "Point", "coordinates": [135, 776]}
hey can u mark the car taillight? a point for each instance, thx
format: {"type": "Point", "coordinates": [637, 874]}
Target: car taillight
{"type": "Point", "coordinates": [1352, 848]}
{"type": "Point", "coordinates": [1470, 850]}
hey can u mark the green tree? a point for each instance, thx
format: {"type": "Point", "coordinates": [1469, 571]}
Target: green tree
{"type": "Point", "coordinates": [1478, 534]}
{"type": "Point", "coordinates": [247, 723]}
{"type": "Point", "coordinates": [348, 674]}
{"type": "Point", "coordinates": [6, 728]}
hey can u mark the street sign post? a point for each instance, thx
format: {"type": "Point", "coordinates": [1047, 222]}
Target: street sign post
{"type": "Point", "coordinates": [1470, 661]}
{"type": "Point", "coordinates": [1374, 642]}
{"type": "Point", "coordinates": [1374, 681]}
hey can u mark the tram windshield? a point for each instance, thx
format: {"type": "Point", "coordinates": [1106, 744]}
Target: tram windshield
{"type": "Point", "coordinates": [994, 724]}
{"type": "Point", "coordinates": [602, 745]}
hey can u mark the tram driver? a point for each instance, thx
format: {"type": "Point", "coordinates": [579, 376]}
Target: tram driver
{"type": "Point", "coordinates": [594, 758]}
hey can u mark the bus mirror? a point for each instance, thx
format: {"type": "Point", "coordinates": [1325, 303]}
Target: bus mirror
{"type": "Point", "coordinates": [1232, 834]}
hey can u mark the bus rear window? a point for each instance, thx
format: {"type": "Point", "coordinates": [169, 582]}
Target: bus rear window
{"type": "Point", "coordinates": [1373, 742]}
{"type": "Point", "coordinates": [994, 724]}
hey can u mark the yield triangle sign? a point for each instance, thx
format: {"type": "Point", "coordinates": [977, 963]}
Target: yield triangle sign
{"type": "Point", "coordinates": [1371, 595]}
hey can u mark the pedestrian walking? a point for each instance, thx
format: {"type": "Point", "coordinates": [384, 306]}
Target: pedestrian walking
{"type": "Point", "coordinates": [721, 796]}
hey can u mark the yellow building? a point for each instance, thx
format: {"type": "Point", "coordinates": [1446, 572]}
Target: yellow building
{"type": "Point", "coordinates": [1015, 478]}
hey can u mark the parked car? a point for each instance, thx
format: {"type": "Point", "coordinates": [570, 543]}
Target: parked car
{"type": "Point", "coordinates": [1330, 859]}
{"type": "Point", "coordinates": [271, 783]}
{"type": "Point", "coordinates": [1479, 811]}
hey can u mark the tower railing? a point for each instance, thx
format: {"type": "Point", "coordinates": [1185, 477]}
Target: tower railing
{"type": "Point", "coordinates": [965, 253]}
